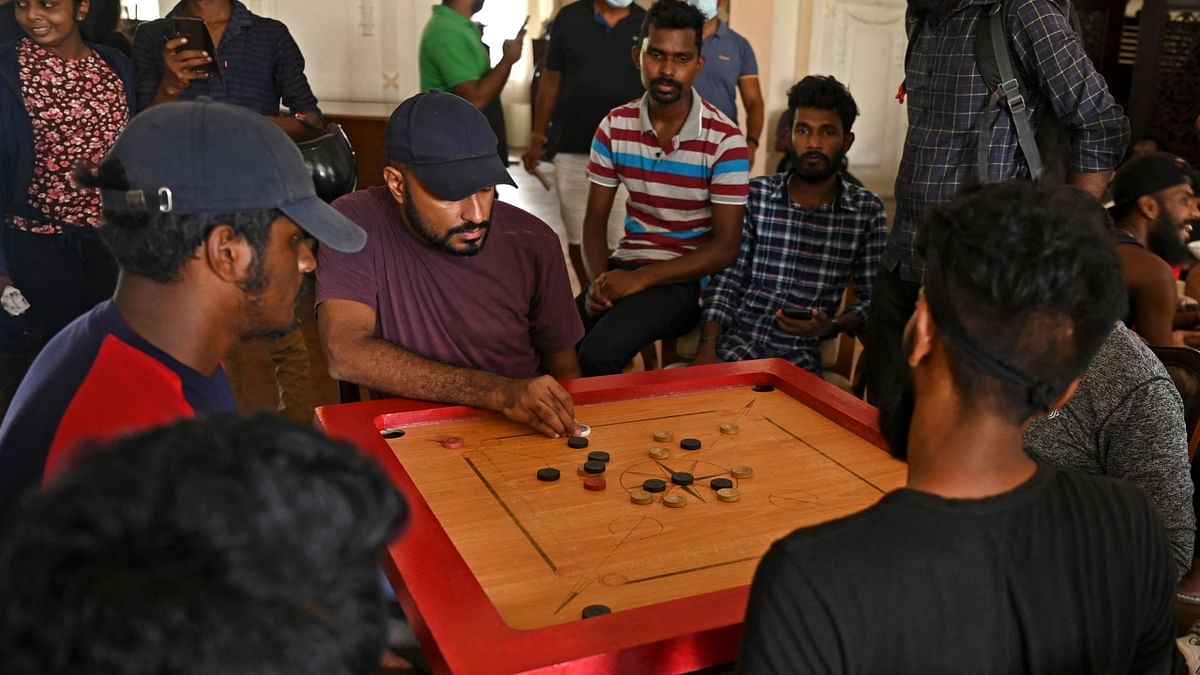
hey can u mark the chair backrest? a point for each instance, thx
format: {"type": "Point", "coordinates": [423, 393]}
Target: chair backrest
{"type": "Point", "coordinates": [1183, 364]}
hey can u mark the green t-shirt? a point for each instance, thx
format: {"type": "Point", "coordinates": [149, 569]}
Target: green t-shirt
{"type": "Point", "coordinates": [451, 51]}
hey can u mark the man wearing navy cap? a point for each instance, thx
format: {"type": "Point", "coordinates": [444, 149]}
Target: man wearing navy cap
{"type": "Point", "coordinates": [206, 209]}
{"type": "Point", "coordinates": [457, 297]}
{"type": "Point", "coordinates": [1153, 207]}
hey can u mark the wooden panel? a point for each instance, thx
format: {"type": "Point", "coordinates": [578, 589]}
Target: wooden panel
{"type": "Point", "coordinates": [366, 127]}
{"type": "Point", "coordinates": [493, 557]}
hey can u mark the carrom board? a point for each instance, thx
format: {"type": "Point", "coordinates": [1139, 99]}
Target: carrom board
{"type": "Point", "coordinates": [497, 566]}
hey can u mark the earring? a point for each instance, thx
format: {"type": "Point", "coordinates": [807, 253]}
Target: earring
{"type": "Point", "coordinates": [80, 16]}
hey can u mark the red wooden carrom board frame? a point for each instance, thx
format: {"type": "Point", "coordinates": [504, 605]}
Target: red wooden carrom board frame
{"type": "Point", "coordinates": [459, 628]}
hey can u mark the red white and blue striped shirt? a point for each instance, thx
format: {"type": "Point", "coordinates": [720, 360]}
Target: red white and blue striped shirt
{"type": "Point", "coordinates": [671, 190]}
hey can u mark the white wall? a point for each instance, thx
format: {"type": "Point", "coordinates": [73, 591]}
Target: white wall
{"type": "Point", "coordinates": [366, 50]}
{"type": "Point", "coordinates": [862, 43]}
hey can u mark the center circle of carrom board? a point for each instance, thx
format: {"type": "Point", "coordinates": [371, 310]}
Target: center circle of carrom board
{"type": "Point", "coordinates": [633, 476]}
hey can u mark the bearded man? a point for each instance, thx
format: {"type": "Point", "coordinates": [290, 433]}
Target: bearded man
{"type": "Point", "coordinates": [806, 233]}
{"type": "Point", "coordinates": [457, 297]}
{"type": "Point", "coordinates": [1153, 207]}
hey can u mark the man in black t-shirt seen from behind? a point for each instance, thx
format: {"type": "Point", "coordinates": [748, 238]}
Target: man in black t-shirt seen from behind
{"type": "Point", "coordinates": [986, 562]}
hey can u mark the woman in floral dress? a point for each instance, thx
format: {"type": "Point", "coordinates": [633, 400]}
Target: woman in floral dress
{"type": "Point", "coordinates": [62, 102]}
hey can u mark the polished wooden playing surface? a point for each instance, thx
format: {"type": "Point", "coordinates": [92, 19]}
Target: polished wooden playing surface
{"type": "Point", "coordinates": [544, 550]}
{"type": "Point", "coordinates": [496, 566]}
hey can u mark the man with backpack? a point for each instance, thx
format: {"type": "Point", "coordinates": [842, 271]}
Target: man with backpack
{"type": "Point", "coordinates": [988, 83]}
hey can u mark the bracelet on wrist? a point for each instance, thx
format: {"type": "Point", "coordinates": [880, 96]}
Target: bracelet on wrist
{"type": "Point", "coordinates": [752, 139]}
{"type": "Point", "coordinates": [539, 137]}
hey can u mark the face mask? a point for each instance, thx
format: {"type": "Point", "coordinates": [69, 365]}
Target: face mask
{"type": "Point", "coordinates": [618, 4]}
{"type": "Point", "coordinates": [707, 7]}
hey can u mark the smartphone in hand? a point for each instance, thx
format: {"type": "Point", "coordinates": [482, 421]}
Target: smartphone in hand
{"type": "Point", "coordinates": [798, 313]}
{"type": "Point", "coordinates": [197, 38]}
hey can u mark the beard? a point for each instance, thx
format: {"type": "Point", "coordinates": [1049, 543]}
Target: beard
{"type": "Point", "coordinates": [442, 242]}
{"type": "Point", "coordinates": [895, 417]}
{"type": "Point", "coordinates": [255, 300]}
{"type": "Point", "coordinates": [930, 9]}
{"type": "Point", "coordinates": [1164, 241]}
{"type": "Point", "coordinates": [666, 97]}
{"type": "Point", "coordinates": [816, 172]}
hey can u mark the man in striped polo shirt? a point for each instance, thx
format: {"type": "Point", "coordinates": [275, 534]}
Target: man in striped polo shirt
{"type": "Point", "coordinates": [686, 168]}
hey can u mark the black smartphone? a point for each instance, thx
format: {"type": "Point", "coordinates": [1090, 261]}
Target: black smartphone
{"type": "Point", "coordinates": [797, 313]}
{"type": "Point", "coordinates": [197, 38]}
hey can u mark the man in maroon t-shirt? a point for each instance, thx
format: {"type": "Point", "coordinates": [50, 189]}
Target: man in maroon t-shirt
{"type": "Point", "coordinates": [456, 297]}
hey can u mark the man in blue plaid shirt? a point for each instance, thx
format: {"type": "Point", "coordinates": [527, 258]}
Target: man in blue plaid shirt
{"type": "Point", "coordinates": [947, 98]}
{"type": "Point", "coordinates": [805, 235]}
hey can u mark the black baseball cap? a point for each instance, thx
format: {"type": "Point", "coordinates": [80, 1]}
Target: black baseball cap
{"type": "Point", "coordinates": [447, 143]}
{"type": "Point", "coordinates": [1148, 174]}
{"type": "Point", "coordinates": [203, 157]}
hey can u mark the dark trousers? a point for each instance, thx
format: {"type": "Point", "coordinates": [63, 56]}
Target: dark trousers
{"type": "Point", "coordinates": [892, 303]}
{"type": "Point", "coordinates": [62, 276]}
{"type": "Point", "coordinates": [616, 336]}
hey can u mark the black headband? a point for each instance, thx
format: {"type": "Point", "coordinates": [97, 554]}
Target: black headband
{"type": "Point", "coordinates": [1041, 393]}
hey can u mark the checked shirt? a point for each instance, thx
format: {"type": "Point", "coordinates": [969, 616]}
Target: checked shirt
{"type": "Point", "coordinates": [946, 96]}
{"type": "Point", "coordinates": [793, 256]}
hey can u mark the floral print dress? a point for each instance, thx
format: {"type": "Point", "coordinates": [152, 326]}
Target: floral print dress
{"type": "Point", "coordinates": [77, 109]}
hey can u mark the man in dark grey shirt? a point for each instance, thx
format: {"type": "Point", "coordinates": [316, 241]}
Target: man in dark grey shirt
{"type": "Point", "coordinates": [1126, 421]}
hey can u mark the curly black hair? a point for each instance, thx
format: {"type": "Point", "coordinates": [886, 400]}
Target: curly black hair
{"type": "Point", "coordinates": [1024, 286]}
{"type": "Point", "coordinates": [826, 93]}
{"type": "Point", "coordinates": [157, 245]}
{"type": "Point", "coordinates": [224, 545]}
{"type": "Point", "coordinates": [674, 14]}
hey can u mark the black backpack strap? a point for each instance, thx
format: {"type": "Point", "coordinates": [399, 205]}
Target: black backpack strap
{"type": "Point", "coordinates": [992, 46]}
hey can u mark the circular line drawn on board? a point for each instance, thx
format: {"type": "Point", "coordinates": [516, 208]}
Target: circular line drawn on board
{"type": "Point", "coordinates": [796, 500]}
{"type": "Point", "coordinates": [614, 579]}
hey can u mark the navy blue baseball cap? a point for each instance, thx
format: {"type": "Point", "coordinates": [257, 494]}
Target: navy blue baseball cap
{"type": "Point", "coordinates": [447, 143]}
{"type": "Point", "coordinates": [203, 157]}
